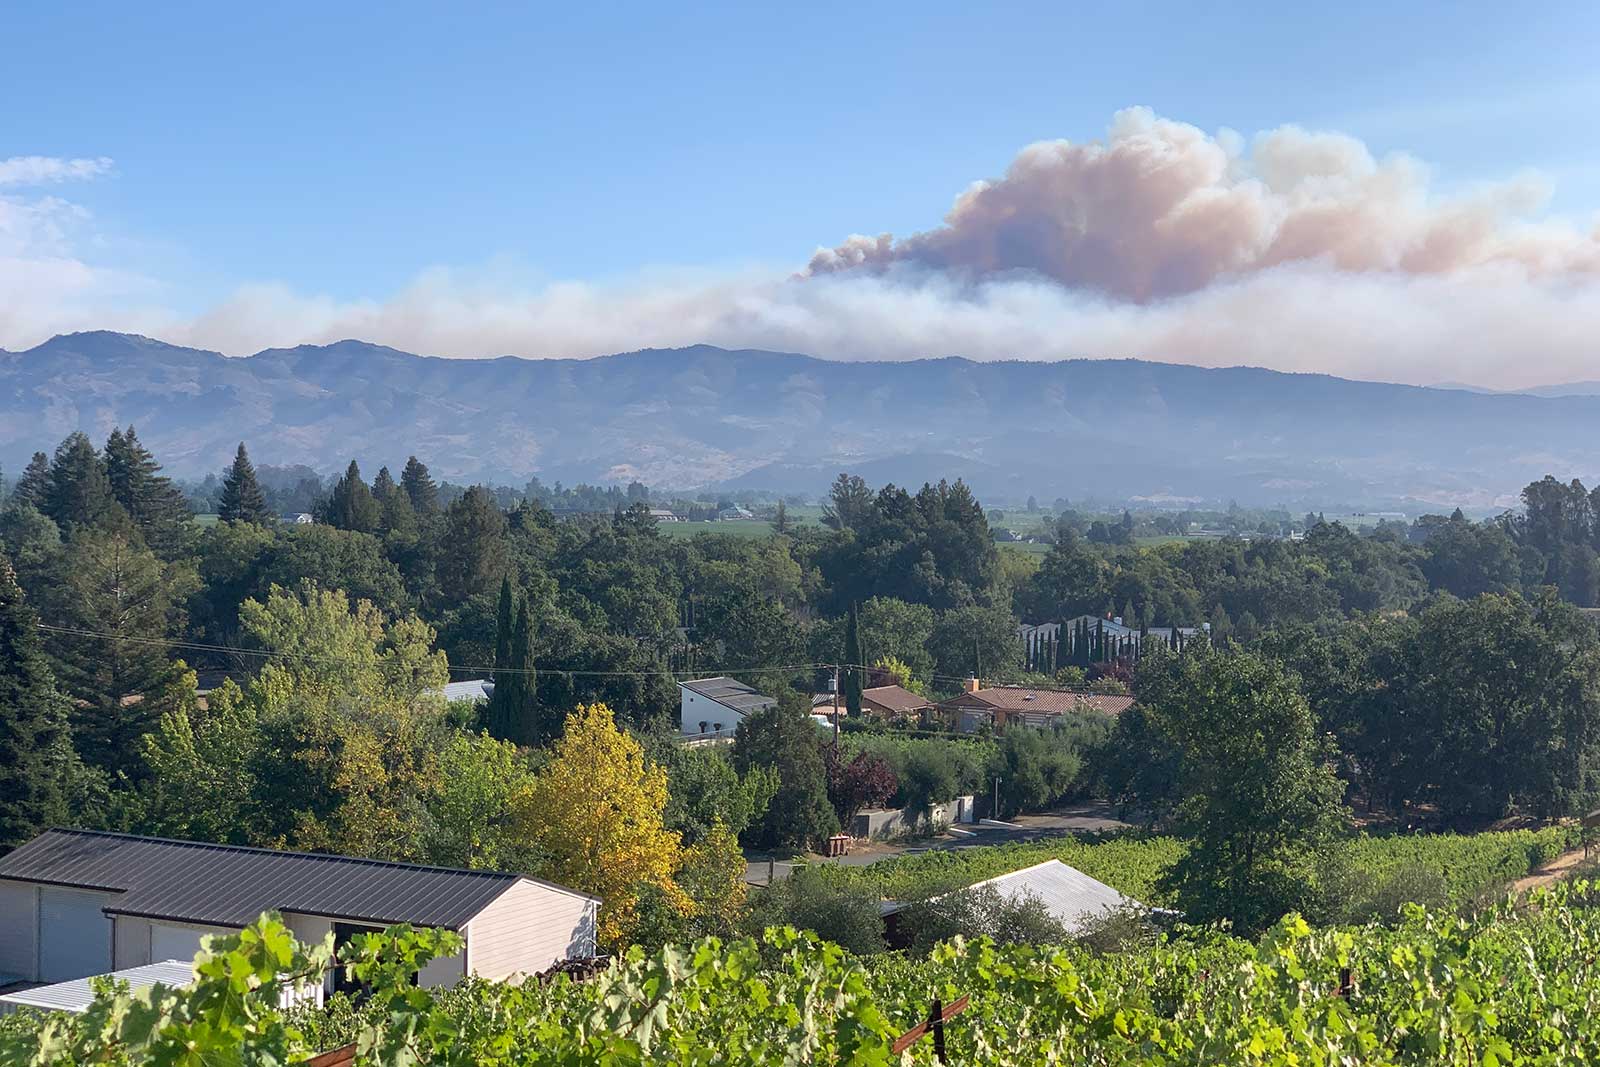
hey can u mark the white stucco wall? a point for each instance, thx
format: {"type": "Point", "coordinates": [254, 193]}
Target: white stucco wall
{"type": "Point", "coordinates": [694, 708]}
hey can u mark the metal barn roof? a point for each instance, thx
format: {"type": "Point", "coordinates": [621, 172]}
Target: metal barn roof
{"type": "Point", "coordinates": [76, 996]}
{"type": "Point", "coordinates": [730, 694]}
{"type": "Point", "coordinates": [230, 885]}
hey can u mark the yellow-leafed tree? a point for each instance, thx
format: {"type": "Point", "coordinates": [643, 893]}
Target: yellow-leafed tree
{"type": "Point", "coordinates": [595, 812]}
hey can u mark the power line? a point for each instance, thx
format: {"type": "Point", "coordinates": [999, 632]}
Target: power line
{"type": "Point", "coordinates": [196, 646]}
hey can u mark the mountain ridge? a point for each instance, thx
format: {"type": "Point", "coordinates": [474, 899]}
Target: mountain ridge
{"type": "Point", "coordinates": [708, 416]}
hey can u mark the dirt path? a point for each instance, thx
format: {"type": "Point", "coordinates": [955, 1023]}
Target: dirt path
{"type": "Point", "coordinates": [1553, 871]}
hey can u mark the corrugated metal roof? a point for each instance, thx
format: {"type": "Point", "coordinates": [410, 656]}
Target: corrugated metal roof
{"type": "Point", "coordinates": [730, 694]}
{"type": "Point", "coordinates": [75, 996]}
{"type": "Point", "coordinates": [229, 885]}
{"type": "Point", "coordinates": [1070, 896]}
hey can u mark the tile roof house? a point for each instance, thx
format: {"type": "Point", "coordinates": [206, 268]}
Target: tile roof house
{"type": "Point", "coordinates": [1001, 704]}
{"type": "Point", "coordinates": [75, 903]}
{"type": "Point", "coordinates": [894, 702]}
{"type": "Point", "coordinates": [716, 706]}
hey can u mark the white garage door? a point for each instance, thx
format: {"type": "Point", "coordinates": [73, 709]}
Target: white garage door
{"type": "Point", "coordinates": [74, 934]}
{"type": "Point", "coordinates": [175, 942]}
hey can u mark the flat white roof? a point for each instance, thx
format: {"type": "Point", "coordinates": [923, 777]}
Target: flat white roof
{"type": "Point", "coordinates": [76, 996]}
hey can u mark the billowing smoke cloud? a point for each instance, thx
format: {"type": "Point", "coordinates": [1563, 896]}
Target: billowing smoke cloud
{"type": "Point", "coordinates": [1302, 254]}
{"type": "Point", "coordinates": [1160, 208]}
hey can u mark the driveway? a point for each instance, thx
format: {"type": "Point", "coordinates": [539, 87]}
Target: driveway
{"type": "Point", "coordinates": [1078, 819]}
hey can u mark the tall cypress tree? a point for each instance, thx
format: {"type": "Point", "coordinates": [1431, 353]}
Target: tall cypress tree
{"type": "Point", "coordinates": [242, 498]}
{"type": "Point", "coordinates": [418, 484]}
{"type": "Point", "coordinates": [513, 713]}
{"type": "Point", "coordinates": [78, 492]}
{"type": "Point", "coordinates": [853, 664]}
{"type": "Point", "coordinates": [34, 746]}
{"type": "Point", "coordinates": [155, 505]}
{"type": "Point", "coordinates": [31, 487]}
{"type": "Point", "coordinates": [505, 620]}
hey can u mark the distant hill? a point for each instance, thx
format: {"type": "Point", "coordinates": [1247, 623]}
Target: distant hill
{"type": "Point", "coordinates": [701, 416]}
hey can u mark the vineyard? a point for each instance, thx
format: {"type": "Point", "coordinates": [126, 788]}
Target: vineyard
{"type": "Point", "coordinates": [1446, 870]}
{"type": "Point", "coordinates": [1510, 985]}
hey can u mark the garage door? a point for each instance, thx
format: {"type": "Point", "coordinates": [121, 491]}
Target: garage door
{"type": "Point", "coordinates": [74, 934]}
{"type": "Point", "coordinates": [175, 942]}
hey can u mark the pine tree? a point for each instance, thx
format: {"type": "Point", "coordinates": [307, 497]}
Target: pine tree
{"type": "Point", "coordinates": [242, 498]}
{"type": "Point", "coordinates": [780, 521]}
{"type": "Point", "coordinates": [31, 487]}
{"type": "Point", "coordinates": [472, 549]}
{"type": "Point", "coordinates": [155, 505]}
{"type": "Point", "coordinates": [396, 518]}
{"type": "Point", "coordinates": [112, 587]}
{"type": "Point", "coordinates": [419, 487]}
{"type": "Point", "coordinates": [78, 492]}
{"type": "Point", "coordinates": [34, 746]}
{"type": "Point", "coordinates": [853, 661]}
{"type": "Point", "coordinates": [350, 505]}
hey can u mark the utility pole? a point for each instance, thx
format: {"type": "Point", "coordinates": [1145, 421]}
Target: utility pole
{"type": "Point", "coordinates": [994, 810]}
{"type": "Point", "coordinates": [836, 712]}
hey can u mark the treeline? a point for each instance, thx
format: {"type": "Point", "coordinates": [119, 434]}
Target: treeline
{"type": "Point", "coordinates": [278, 683]}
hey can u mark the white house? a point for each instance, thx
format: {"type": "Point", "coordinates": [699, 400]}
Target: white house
{"type": "Point", "coordinates": [75, 903]}
{"type": "Point", "coordinates": [713, 707]}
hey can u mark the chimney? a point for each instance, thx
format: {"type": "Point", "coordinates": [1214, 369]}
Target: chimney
{"type": "Point", "coordinates": [1117, 620]}
{"type": "Point", "coordinates": [973, 685]}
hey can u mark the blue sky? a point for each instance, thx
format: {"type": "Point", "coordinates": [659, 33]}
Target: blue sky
{"type": "Point", "coordinates": [340, 151]}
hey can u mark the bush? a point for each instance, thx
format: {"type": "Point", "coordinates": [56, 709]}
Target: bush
{"type": "Point", "coordinates": [815, 899]}
{"type": "Point", "coordinates": [981, 911]}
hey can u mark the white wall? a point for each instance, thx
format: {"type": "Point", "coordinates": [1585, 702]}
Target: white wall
{"type": "Point", "coordinates": [19, 929]}
{"type": "Point", "coordinates": [140, 941]}
{"type": "Point", "coordinates": [444, 971]}
{"type": "Point", "coordinates": [74, 934]}
{"type": "Point", "coordinates": [309, 929]}
{"type": "Point", "coordinates": [527, 928]}
{"type": "Point", "coordinates": [693, 709]}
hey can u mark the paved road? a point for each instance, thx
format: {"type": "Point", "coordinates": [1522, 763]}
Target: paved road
{"type": "Point", "coordinates": [1084, 818]}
